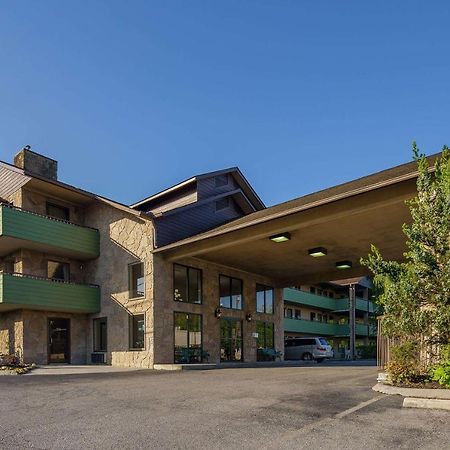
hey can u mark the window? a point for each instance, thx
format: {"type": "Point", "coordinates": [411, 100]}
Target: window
{"type": "Point", "coordinates": [8, 266]}
{"type": "Point", "coordinates": [221, 180]}
{"type": "Point", "coordinates": [312, 289]}
{"type": "Point", "coordinates": [57, 211]}
{"type": "Point", "coordinates": [298, 314]}
{"type": "Point", "coordinates": [188, 338]}
{"type": "Point", "coordinates": [319, 292]}
{"type": "Point", "coordinates": [58, 270]}
{"type": "Point", "coordinates": [230, 292]}
{"type": "Point", "coordinates": [265, 338]}
{"type": "Point", "coordinates": [313, 316]}
{"type": "Point", "coordinates": [187, 284]}
{"type": "Point", "coordinates": [264, 299]}
{"type": "Point", "coordinates": [137, 331]}
{"type": "Point", "coordinates": [136, 280]}
{"type": "Point", "coordinates": [222, 203]}
{"type": "Point", "coordinates": [231, 340]}
{"type": "Point", "coordinates": [100, 334]}
{"type": "Point", "coordinates": [288, 313]}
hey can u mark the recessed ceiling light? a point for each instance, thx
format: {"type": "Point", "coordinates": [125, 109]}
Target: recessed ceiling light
{"type": "Point", "coordinates": [344, 265]}
{"type": "Point", "coordinates": [317, 252]}
{"type": "Point", "coordinates": [282, 237]}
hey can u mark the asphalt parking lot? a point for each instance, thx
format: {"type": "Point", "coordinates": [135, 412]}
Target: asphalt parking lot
{"type": "Point", "coordinates": [311, 407]}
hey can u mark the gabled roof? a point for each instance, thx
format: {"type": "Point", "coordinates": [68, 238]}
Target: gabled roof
{"type": "Point", "coordinates": [352, 188]}
{"type": "Point", "coordinates": [234, 171]}
{"type": "Point", "coordinates": [38, 181]}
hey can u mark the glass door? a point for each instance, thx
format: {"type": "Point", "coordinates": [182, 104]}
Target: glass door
{"type": "Point", "coordinates": [188, 338]}
{"type": "Point", "coordinates": [231, 340]}
{"type": "Point", "coordinates": [59, 341]}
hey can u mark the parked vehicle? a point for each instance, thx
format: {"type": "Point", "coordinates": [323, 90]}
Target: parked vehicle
{"type": "Point", "coordinates": [308, 349]}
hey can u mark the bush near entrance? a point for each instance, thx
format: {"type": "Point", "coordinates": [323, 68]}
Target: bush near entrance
{"type": "Point", "coordinates": [415, 294]}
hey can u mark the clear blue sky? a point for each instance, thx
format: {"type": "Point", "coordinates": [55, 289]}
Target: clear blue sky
{"type": "Point", "coordinates": [132, 97]}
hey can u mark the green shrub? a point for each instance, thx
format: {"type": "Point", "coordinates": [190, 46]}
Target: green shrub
{"type": "Point", "coordinates": [367, 351]}
{"type": "Point", "coordinates": [441, 372]}
{"type": "Point", "coordinates": [404, 366]}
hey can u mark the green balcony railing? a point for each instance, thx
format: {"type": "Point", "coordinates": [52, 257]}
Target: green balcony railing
{"type": "Point", "coordinates": [18, 291]}
{"type": "Point", "coordinates": [20, 228]}
{"type": "Point", "coordinates": [324, 328]}
{"type": "Point", "coordinates": [318, 301]}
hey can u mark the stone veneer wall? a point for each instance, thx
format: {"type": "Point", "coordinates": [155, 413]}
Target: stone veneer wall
{"type": "Point", "coordinates": [35, 337]}
{"type": "Point", "coordinates": [165, 306]}
{"type": "Point", "coordinates": [11, 333]}
{"type": "Point", "coordinates": [124, 239]}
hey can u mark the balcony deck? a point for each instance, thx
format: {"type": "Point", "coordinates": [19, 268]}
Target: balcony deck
{"type": "Point", "coordinates": [325, 329]}
{"type": "Point", "coordinates": [24, 229]}
{"type": "Point", "coordinates": [299, 297]}
{"type": "Point", "coordinates": [18, 291]}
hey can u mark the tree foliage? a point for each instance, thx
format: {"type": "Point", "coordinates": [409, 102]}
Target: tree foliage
{"type": "Point", "coordinates": [415, 293]}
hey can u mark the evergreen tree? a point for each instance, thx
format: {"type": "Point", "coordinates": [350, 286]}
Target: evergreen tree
{"type": "Point", "coordinates": [415, 293]}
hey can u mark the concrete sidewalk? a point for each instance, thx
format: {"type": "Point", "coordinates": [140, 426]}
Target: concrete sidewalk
{"type": "Point", "coordinates": [68, 369]}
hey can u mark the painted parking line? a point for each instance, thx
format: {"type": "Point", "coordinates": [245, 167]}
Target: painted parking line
{"type": "Point", "coordinates": [358, 407]}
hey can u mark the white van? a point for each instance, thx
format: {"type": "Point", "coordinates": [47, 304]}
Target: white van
{"type": "Point", "coordinates": [308, 349]}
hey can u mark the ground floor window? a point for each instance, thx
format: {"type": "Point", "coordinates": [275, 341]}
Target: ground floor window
{"type": "Point", "coordinates": [137, 331]}
{"type": "Point", "coordinates": [231, 340]}
{"type": "Point", "coordinates": [188, 338]}
{"type": "Point", "coordinates": [266, 337]}
{"type": "Point", "coordinates": [100, 334]}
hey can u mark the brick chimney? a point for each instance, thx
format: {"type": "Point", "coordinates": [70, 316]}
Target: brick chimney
{"type": "Point", "coordinates": [35, 163]}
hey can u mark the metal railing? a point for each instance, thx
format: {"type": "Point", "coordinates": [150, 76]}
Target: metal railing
{"type": "Point", "coordinates": [17, 208]}
{"type": "Point", "coordinates": [52, 280]}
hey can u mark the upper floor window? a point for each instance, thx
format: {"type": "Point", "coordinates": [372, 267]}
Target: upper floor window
{"type": "Point", "coordinates": [137, 331]}
{"type": "Point", "coordinates": [288, 313]}
{"type": "Point", "coordinates": [58, 211]}
{"type": "Point", "coordinates": [187, 284]}
{"type": "Point", "coordinates": [222, 203]}
{"type": "Point", "coordinates": [136, 280]}
{"type": "Point", "coordinates": [231, 292]}
{"type": "Point", "coordinates": [221, 180]}
{"type": "Point", "coordinates": [264, 299]}
{"type": "Point", "coordinates": [58, 270]}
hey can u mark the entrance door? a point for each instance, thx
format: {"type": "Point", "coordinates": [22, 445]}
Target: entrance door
{"type": "Point", "coordinates": [231, 340]}
{"type": "Point", "coordinates": [59, 341]}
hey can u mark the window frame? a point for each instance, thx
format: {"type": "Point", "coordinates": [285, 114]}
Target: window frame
{"type": "Point", "coordinates": [188, 333]}
{"type": "Point", "coordinates": [231, 293]}
{"type": "Point", "coordinates": [133, 289]}
{"type": "Point", "coordinates": [265, 289]}
{"type": "Point", "coordinates": [265, 323]}
{"type": "Point", "coordinates": [94, 334]}
{"type": "Point", "coordinates": [200, 271]}
{"type": "Point", "coordinates": [130, 331]}
{"type": "Point", "coordinates": [61, 207]}
{"type": "Point", "coordinates": [61, 280]}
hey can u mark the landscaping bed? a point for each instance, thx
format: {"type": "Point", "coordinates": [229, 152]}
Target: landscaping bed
{"type": "Point", "coordinates": [11, 365]}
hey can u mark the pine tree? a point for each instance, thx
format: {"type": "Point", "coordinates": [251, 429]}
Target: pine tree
{"type": "Point", "coordinates": [415, 293]}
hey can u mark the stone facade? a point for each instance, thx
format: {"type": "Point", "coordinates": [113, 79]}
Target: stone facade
{"type": "Point", "coordinates": [165, 306]}
{"type": "Point", "coordinates": [124, 239]}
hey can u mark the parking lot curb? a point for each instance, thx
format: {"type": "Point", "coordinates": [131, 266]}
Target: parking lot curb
{"type": "Point", "coordinates": [426, 403]}
{"type": "Point", "coordinates": [428, 394]}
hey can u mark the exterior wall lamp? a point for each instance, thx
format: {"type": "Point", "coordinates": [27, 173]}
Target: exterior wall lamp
{"type": "Point", "coordinates": [282, 237]}
{"type": "Point", "coordinates": [218, 313]}
{"type": "Point", "coordinates": [317, 252]}
{"type": "Point", "coordinates": [344, 265]}
{"type": "Point", "coordinates": [248, 317]}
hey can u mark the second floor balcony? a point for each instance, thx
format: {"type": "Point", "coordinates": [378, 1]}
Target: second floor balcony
{"type": "Point", "coordinates": [19, 291]}
{"type": "Point", "coordinates": [296, 296]}
{"type": "Point", "coordinates": [325, 328]}
{"type": "Point", "coordinates": [24, 229]}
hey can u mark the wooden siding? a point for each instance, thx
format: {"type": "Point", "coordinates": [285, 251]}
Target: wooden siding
{"type": "Point", "coordinates": [206, 187]}
{"type": "Point", "coordinates": [11, 180]}
{"type": "Point", "coordinates": [192, 221]}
